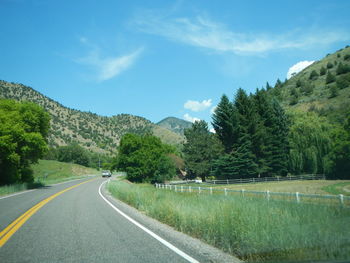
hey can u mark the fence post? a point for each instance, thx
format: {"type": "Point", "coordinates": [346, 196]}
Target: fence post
{"type": "Point", "coordinates": [297, 197]}
{"type": "Point", "coordinates": [341, 198]}
{"type": "Point", "coordinates": [199, 189]}
{"type": "Point", "coordinates": [226, 181]}
{"type": "Point", "coordinates": [182, 188]}
{"type": "Point", "coordinates": [175, 188]}
{"type": "Point", "coordinates": [253, 180]}
{"type": "Point", "coordinates": [214, 181]}
{"type": "Point", "coordinates": [278, 178]}
{"type": "Point", "coordinates": [190, 189]}
{"type": "Point", "coordinates": [268, 195]}
{"type": "Point", "coordinates": [243, 192]}
{"type": "Point", "coordinates": [225, 191]}
{"type": "Point", "coordinates": [211, 190]}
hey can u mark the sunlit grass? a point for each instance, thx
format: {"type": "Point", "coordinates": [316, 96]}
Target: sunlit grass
{"type": "Point", "coordinates": [50, 172]}
{"type": "Point", "coordinates": [252, 229]}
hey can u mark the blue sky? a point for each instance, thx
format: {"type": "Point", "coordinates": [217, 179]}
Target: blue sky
{"type": "Point", "coordinates": [162, 58]}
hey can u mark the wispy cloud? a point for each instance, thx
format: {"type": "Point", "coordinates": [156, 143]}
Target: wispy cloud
{"type": "Point", "coordinates": [110, 66]}
{"type": "Point", "coordinates": [298, 67]}
{"type": "Point", "coordinates": [188, 117]}
{"type": "Point", "coordinates": [196, 106]}
{"type": "Point", "coordinates": [205, 33]}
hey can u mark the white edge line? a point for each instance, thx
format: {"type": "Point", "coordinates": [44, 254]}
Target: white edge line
{"type": "Point", "coordinates": [161, 240]}
{"type": "Point", "coordinates": [23, 192]}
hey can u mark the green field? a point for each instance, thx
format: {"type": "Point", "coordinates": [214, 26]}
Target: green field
{"type": "Point", "coordinates": [305, 187]}
{"type": "Point", "coordinates": [252, 229]}
{"type": "Point", "coordinates": [50, 172]}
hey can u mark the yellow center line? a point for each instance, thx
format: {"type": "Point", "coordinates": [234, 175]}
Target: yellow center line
{"type": "Point", "coordinates": [15, 225]}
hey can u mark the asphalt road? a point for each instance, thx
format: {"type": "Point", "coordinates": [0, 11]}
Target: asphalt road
{"type": "Point", "coordinates": [80, 226]}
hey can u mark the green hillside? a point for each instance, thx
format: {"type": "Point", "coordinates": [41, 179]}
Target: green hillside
{"type": "Point", "coordinates": [323, 87]}
{"type": "Point", "coordinates": [93, 132]}
{"type": "Point", "coordinates": [175, 124]}
{"type": "Point", "coordinates": [48, 171]}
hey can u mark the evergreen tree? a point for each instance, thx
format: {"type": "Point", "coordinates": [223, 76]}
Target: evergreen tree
{"type": "Point", "coordinates": [200, 150]}
{"type": "Point", "coordinates": [225, 123]}
{"type": "Point", "coordinates": [278, 146]}
{"type": "Point", "coordinates": [249, 137]}
{"type": "Point", "coordinates": [268, 86]}
{"type": "Point", "coordinates": [323, 71]}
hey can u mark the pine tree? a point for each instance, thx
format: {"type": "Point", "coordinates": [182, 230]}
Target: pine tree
{"type": "Point", "coordinates": [225, 123]}
{"type": "Point", "coordinates": [278, 146]}
{"type": "Point", "coordinates": [248, 120]}
{"type": "Point", "coordinates": [200, 150]}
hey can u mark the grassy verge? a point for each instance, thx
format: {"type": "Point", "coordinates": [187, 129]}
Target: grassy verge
{"type": "Point", "coordinates": [305, 187]}
{"type": "Point", "coordinates": [251, 229]}
{"type": "Point", "coordinates": [339, 188]}
{"type": "Point", "coordinates": [50, 172]}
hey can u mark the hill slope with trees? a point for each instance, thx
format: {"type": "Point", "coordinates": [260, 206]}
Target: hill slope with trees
{"type": "Point", "coordinates": [93, 132]}
{"type": "Point", "coordinates": [323, 87]}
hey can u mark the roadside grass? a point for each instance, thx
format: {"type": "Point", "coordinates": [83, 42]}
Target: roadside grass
{"type": "Point", "coordinates": [339, 188]}
{"type": "Point", "coordinates": [250, 228]}
{"type": "Point", "coordinates": [50, 172]}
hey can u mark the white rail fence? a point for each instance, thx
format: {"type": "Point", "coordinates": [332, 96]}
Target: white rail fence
{"type": "Point", "coordinates": [256, 180]}
{"type": "Point", "coordinates": [298, 197]}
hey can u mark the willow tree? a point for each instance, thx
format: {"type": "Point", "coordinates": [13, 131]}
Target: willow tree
{"type": "Point", "coordinates": [310, 143]}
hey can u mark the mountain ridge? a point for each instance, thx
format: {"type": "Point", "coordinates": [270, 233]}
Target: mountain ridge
{"type": "Point", "coordinates": [175, 124]}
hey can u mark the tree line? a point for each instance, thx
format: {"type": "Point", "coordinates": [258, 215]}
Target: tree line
{"type": "Point", "coordinates": [255, 137]}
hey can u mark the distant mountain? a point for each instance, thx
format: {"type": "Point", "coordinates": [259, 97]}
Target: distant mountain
{"type": "Point", "coordinates": [94, 132]}
{"type": "Point", "coordinates": [323, 87]}
{"type": "Point", "coordinates": [175, 124]}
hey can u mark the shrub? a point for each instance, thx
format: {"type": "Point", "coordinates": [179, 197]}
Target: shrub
{"type": "Point", "coordinates": [333, 91]}
{"type": "Point", "coordinates": [313, 75]}
{"type": "Point", "coordinates": [342, 82]}
{"type": "Point", "coordinates": [330, 78]}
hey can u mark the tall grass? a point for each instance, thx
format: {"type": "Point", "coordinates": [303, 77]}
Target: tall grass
{"type": "Point", "coordinates": [252, 229]}
{"type": "Point", "coordinates": [10, 189]}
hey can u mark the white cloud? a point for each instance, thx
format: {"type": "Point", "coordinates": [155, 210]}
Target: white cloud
{"type": "Point", "coordinates": [298, 67]}
{"type": "Point", "coordinates": [197, 106]}
{"type": "Point", "coordinates": [205, 33]}
{"type": "Point", "coordinates": [187, 117]}
{"type": "Point", "coordinates": [212, 130]}
{"type": "Point", "coordinates": [108, 67]}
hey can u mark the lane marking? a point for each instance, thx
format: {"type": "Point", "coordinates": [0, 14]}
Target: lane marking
{"type": "Point", "coordinates": [154, 235]}
{"type": "Point", "coordinates": [22, 192]}
{"type": "Point", "coordinates": [6, 234]}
